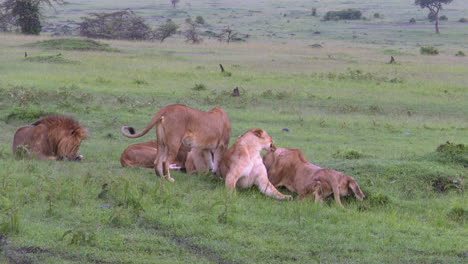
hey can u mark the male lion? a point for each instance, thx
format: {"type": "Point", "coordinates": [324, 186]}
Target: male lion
{"type": "Point", "coordinates": [242, 164]}
{"type": "Point", "coordinates": [142, 155]}
{"type": "Point", "coordinates": [179, 124]}
{"type": "Point", "coordinates": [53, 137]}
{"type": "Point", "coordinates": [289, 168]}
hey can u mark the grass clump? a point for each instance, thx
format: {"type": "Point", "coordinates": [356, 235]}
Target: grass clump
{"type": "Point", "coordinates": [349, 154]}
{"type": "Point", "coordinates": [458, 214]}
{"type": "Point", "coordinates": [452, 153]}
{"type": "Point", "coordinates": [58, 58]}
{"type": "Point", "coordinates": [429, 50]}
{"type": "Point", "coordinates": [25, 114]}
{"type": "Point", "coordinates": [72, 44]}
{"type": "Point", "coordinates": [199, 87]}
{"type": "Point", "coordinates": [348, 14]}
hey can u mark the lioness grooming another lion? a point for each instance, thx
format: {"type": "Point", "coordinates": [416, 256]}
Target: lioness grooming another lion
{"type": "Point", "coordinates": [242, 164]}
{"type": "Point", "coordinates": [179, 124]}
{"type": "Point", "coordinates": [289, 168]}
{"type": "Point", "coordinates": [53, 137]}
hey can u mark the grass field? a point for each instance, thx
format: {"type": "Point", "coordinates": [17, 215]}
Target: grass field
{"type": "Point", "coordinates": [344, 106]}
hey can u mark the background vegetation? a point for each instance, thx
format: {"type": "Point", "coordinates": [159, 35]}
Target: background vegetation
{"type": "Point", "coordinates": [399, 129]}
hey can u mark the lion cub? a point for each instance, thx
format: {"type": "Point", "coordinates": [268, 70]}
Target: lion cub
{"type": "Point", "coordinates": [242, 164]}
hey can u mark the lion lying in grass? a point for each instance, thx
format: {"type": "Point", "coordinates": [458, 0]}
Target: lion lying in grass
{"type": "Point", "coordinates": [289, 168]}
{"type": "Point", "coordinates": [53, 137]}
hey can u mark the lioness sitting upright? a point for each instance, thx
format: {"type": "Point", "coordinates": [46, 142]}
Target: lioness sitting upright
{"type": "Point", "coordinates": [242, 164]}
{"type": "Point", "coordinates": [179, 124]}
{"type": "Point", "coordinates": [289, 168]}
{"type": "Point", "coordinates": [142, 155]}
{"type": "Point", "coordinates": [53, 137]}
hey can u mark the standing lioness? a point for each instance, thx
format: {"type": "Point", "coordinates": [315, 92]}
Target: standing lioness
{"type": "Point", "coordinates": [179, 124]}
{"type": "Point", "coordinates": [242, 164]}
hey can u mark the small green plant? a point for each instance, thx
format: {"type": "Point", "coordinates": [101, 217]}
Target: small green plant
{"type": "Point", "coordinates": [80, 236]}
{"type": "Point", "coordinates": [349, 154]}
{"type": "Point", "coordinates": [140, 82]}
{"type": "Point", "coordinates": [199, 87]}
{"type": "Point", "coordinates": [460, 54]}
{"type": "Point", "coordinates": [22, 152]}
{"type": "Point", "coordinates": [9, 217]}
{"type": "Point", "coordinates": [429, 50]}
{"type": "Point", "coordinates": [412, 21]}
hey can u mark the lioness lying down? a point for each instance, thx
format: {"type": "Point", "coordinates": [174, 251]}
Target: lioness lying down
{"type": "Point", "coordinates": [142, 155]}
{"type": "Point", "coordinates": [289, 168]}
{"type": "Point", "coordinates": [242, 164]}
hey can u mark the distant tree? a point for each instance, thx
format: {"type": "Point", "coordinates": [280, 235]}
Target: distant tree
{"type": "Point", "coordinates": [200, 20]}
{"type": "Point", "coordinates": [166, 30]}
{"type": "Point", "coordinates": [434, 7]}
{"type": "Point", "coordinates": [24, 14]}
{"type": "Point", "coordinates": [227, 35]}
{"type": "Point", "coordinates": [191, 34]}
{"type": "Point", "coordinates": [174, 3]}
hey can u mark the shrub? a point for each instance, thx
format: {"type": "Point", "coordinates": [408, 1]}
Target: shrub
{"type": "Point", "coordinates": [429, 50]}
{"type": "Point", "coordinates": [463, 20]}
{"type": "Point", "coordinates": [376, 15]}
{"type": "Point", "coordinates": [460, 54]}
{"type": "Point", "coordinates": [348, 14]}
{"type": "Point", "coordinates": [166, 30]}
{"type": "Point", "coordinates": [412, 21]}
{"type": "Point", "coordinates": [443, 18]}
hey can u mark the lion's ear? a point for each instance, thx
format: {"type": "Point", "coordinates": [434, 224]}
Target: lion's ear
{"type": "Point", "coordinates": [258, 132]}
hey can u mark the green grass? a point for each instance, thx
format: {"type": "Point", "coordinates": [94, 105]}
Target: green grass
{"type": "Point", "coordinates": [344, 106]}
{"type": "Point", "coordinates": [71, 44]}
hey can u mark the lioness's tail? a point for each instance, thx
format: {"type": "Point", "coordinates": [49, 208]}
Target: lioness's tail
{"type": "Point", "coordinates": [131, 130]}
{"type": "Point", "coordinates": [356, 190]}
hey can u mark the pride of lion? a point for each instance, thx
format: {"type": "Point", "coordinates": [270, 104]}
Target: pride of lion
{"type": "Point", "coordinates": [197, 141]}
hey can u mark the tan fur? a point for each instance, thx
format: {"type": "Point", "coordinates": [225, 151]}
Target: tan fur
{"type": "Point", "coordinates": [196, 129]}
{"type": "Point", "coordinates": [142, 155]}
{"type": "Point", "coordinates": [242, 164]}
{"type": "Point", "coordinates": [289, 168]}
{"type": "Point", "coordinates": [53, 137]}
{"type": "Point", "coordinates": [196, 161]}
